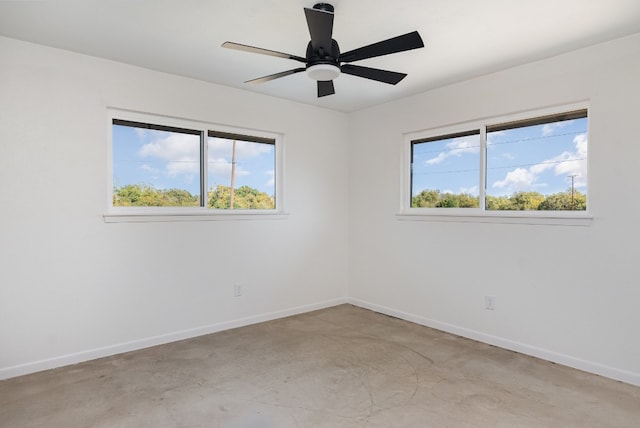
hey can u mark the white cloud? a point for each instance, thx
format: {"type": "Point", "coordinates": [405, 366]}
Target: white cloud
{"type": "Point", "coordinates": [519, 178]}
{"type": "Point", "coordinates": [182, 168]}
{"type": "Point", "coordinates": [565, 164]}
{"type": "Point", "coordinates": [578, 163]}
{"type": "Point", "coordinates": [457, 147]}
{"type": "Point", "coordinates": [220, 153]}
{"type": "Point", "coordinates": [222, 167]}
{"type": "Point", "coordinates": [222, 148]}
{"type": "Point", "coordinates": [180, 152]}
{"type": "Point", "coordinates": [176, 156]}
{"type": "Point", "coordinates": [171, 146]}
{"type": "Point", "coordinates": [580, 141]}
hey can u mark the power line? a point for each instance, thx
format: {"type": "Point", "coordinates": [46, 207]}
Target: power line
{"type": "Point", "coordinates": [497, 143]}
{"type": "Point", "coordinates": [498, 167]}
{"type": "Point", "coordinates": [536, 138]}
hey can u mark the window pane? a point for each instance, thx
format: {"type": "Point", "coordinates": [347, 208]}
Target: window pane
{"type": "Point", "coordinates": [154, 167]}
{"type": "Point", "coordinates": [445, 172]}
{"type": "Point", "coordinates": [538, 167]}
{"type": "Point", "coordinates": [241, 174]}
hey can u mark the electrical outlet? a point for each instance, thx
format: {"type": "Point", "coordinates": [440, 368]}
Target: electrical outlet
{"type": "Point", "coordinates": [237, 290]}
{"type": "Point", "coordinates": [490, 303]}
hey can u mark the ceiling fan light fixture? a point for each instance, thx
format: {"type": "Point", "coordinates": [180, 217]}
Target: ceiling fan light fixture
{"type": "Point", "coordinates": [323, 72]}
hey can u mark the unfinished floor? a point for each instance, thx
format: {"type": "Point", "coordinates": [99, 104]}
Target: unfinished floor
{"type": "Point", "coordinates": [338, 367]}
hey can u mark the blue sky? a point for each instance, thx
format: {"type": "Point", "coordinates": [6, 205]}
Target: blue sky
{"type": "Point", "coordinates": [167, 160]}
{"type": "Point", "coordinates": [537, 158]}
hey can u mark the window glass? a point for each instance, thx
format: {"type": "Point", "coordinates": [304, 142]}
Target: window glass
{"type": "Point", "coordinates": [538, 165]}
{"type": "Point", "coordinates": [191, 164]}
{"type": "Point", "coordinates": [529, 163]}
{"type": "Point", "coordinates": [155, 166]}
{"type": "Point", "coordinates": [241, 173]}
{"type": "Point", "coordinates": [445, 171]}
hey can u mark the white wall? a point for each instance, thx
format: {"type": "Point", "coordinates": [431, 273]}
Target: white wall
{"type": "Point", "coordinates": [74, 287]}
{"type": "Point", "coordinates": [567, 293]}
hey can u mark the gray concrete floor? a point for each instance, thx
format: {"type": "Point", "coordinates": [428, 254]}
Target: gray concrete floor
{"type": "Point", "coordinates": [338, 367]}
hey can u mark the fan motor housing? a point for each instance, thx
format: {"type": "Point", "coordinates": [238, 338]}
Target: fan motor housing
{"type": "Point", "coordinates": [322, 57]}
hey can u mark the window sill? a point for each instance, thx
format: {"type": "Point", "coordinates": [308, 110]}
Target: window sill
{"type": "Point", "coordinates": [562, 218]}
{"type": "Point", "coordinates": [183, 215]}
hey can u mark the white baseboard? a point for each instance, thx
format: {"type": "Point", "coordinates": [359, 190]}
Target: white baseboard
{"type": "Point", "coordinates": [566, 360]}
{"type": "Point", "coordinates": [134, 345]}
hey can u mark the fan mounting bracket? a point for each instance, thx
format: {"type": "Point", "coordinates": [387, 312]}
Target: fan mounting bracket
{"type": "Point", "coordinates": [326, 7]}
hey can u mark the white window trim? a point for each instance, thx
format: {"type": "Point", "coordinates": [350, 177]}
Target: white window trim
{"type": "Point", "coordinates": [172, 214]}
{"type": "Point", "coordinates": [480, 215]}
{"type": "Point", "coordinates": [190, 214]}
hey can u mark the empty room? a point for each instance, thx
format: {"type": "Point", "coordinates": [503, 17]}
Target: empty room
{"type": "Point", "coordinates": [299, 214]}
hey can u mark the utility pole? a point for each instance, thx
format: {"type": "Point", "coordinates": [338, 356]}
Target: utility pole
{"type": "Point", "coordinates": [573, 205]}
{"type": "Point", "coordinates": [233, 174]}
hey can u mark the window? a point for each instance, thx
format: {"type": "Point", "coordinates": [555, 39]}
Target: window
{"type": "Point", "coordinates": [535, 163]}
{"type": "Point", "coordinates": [163, 164]}
{"type": "Point", "coordinates": [538, 164]}
{"type": "Point", "coordinates": [444, 171]}
{"type": "Point", "coordinates": [155, 165]}
{"type": "Point", "coordinates": [240, 171]}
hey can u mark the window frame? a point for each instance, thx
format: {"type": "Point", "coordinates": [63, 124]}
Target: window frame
{"type": "Point", "coordinates": [201, 213]}
{"type": "Point", "coordinates": [481, 214]}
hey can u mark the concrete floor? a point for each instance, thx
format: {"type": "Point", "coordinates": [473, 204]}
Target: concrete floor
{"type": "Point", "coordinates": [338, 367]}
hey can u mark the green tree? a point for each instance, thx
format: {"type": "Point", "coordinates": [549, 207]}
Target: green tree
{"type": "Point", "coordinates": [447, 201]}
{"type": "Point", "coordinates": [466, 200]}
{"type": "Point", "coordinates": [564, 202]}
{"type": "Point", "coordinates": [142, 195]}
{"type": "Point", "coordinates": [499, 203]}
{"type": "Point", "coordinates": [245, 197]}
{"type": "Point", "coordinates": [180, 198]}
{"type": "Point", "coordinates": [127, 196]}
{"type": "Point", "coordinates": [433, 199]}
{"type": "Point", "coordinates": [460, 200]}
{"type": "Point", "coordinates": [527, 200]}
{"type": "Point", "coordinates": [519, 201]}
{"type": "Point", "coordinates": [426, 199]}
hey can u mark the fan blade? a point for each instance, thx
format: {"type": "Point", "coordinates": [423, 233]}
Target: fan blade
{"type": "Point", "coordinates": [276, 75]}
{"type": "Point", "coordinates": [253, 49]}
{"type": "Point", "coordinates": [402, 43]}
{"type": "Point", "coordinates": [384, 76]}
{"type": "Point", "coordinates": [320, 25]}
{"type": "Point", "coordinates": [325, 87]}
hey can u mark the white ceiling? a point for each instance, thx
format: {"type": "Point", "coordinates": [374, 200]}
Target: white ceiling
{"type": "Point", "coordinates": [463, 38]}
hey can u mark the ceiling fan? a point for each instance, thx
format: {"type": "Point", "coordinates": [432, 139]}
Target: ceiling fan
{"type": "Point", "coordinates": [324, 61]}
